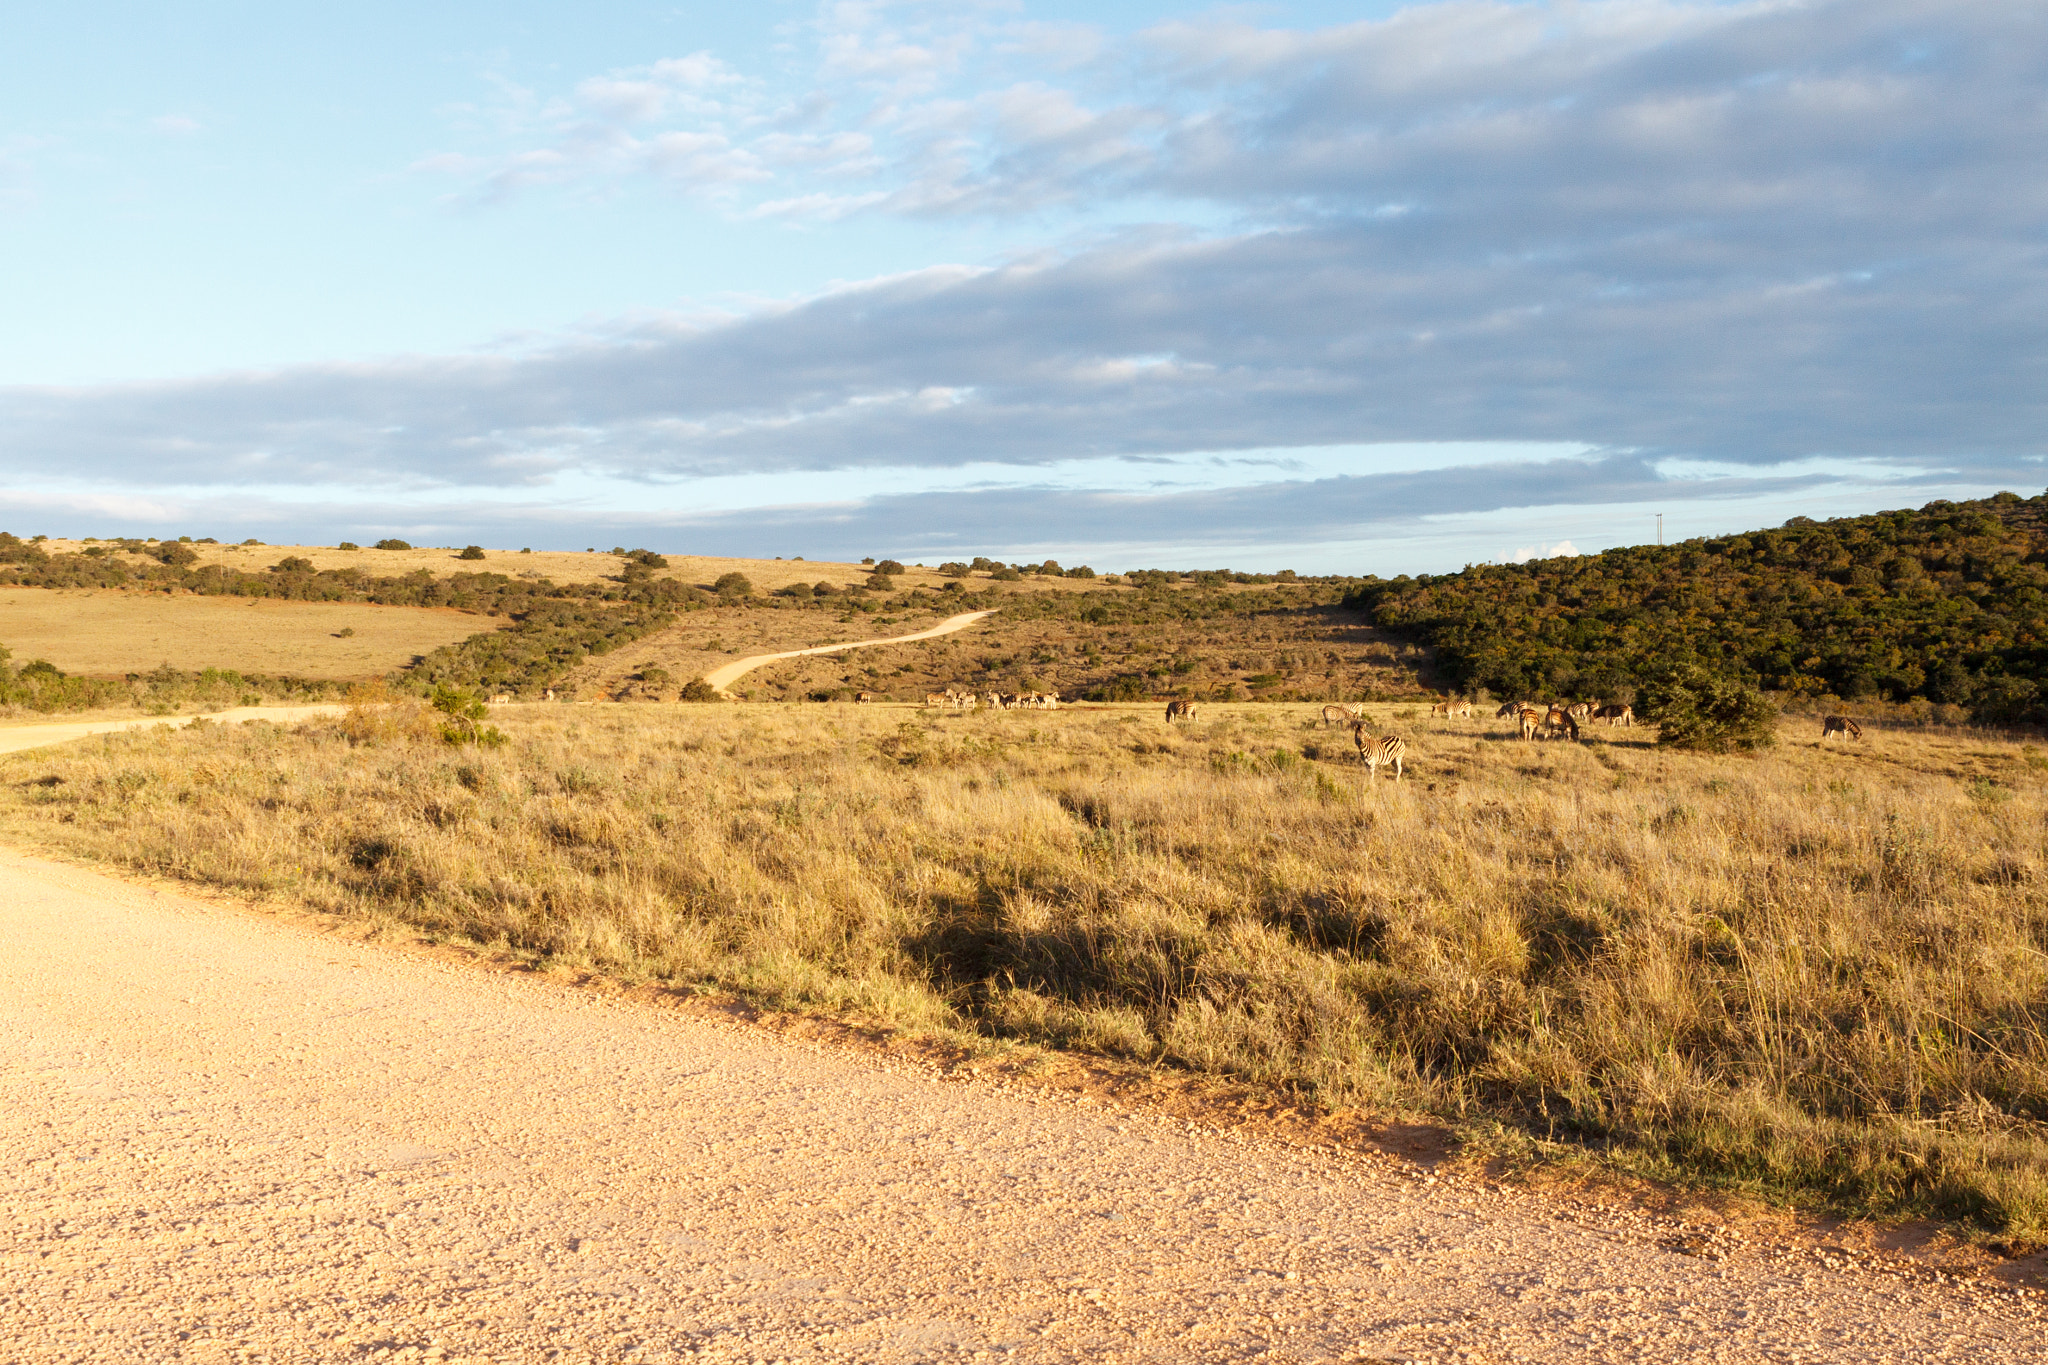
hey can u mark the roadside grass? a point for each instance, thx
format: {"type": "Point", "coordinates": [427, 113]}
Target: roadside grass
{"type": "Point", "coordinates": [1816, 975]}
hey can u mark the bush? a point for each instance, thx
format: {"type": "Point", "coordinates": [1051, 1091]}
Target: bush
{"type": "Point", "coordinates": [471, 552]}
{"type": "Point", "coordinates": [822, 589]}
{"type": "Point", "coordinates": [1081, 571]}
{"type": "Point", "coordinates": [176, 555]}
{"type": "Point", "coordinates": [880, 582]}
{"type": "Point", "coordinates": [888, 566]}
{"type": "Point", "coordinates": [382, 544]}
{"type": "Point", "coordinates": [463, 710]}
{"type": "Point", "coordinates": [1004, 574]}
{"type": "Point", "coordinates": [653, 674]}
{"type": "Point", "coordinates": [955, 569]}
{"type": "Point", "coordinates": [647, 557]}
{"type": "Point", "coordinates": [733, 585]}
{"type": "Point", "coordinates": [1695, 709]}
{"type": "Point", "coordinates": [699, 690]}
{"type": "Point", "coordinates": [292, 564]}
{"type": "Point", "coordinates": [348, 545]}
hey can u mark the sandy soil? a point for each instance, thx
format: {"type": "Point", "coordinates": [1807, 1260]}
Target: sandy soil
{"type": "Point", "coordinates": [229, 1137]}
{"type": "Point", "coordinates": [106, 631]}
{"type": "Point", "coordinates": [41, 733]}
{"type": "Point", "coordinates": [724, 677]}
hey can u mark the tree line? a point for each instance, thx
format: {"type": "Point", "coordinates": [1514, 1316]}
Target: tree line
{"type": "Point", "coordinates": [1947, 603]}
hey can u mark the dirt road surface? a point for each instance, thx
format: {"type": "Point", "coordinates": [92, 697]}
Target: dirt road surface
{"type": "Point", "coordinates": [721, 678]}
{"type": "Point", "coordinates": [226, 1137]}
{"type": "Point", "coordinates": [41, 733]}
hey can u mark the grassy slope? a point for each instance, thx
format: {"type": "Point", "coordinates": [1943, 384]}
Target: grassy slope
{"type": "Point", "coordinates": [1816, 974]}
{"type": "Point", "coordinates": [1948, 604]}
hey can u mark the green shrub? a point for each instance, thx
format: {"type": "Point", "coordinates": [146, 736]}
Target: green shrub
{"type": "Point", "coordinates": [1695, 709]}
{"type": "Point", "coordinates": [471, 552]}
{"type": "Point", "coordinates": [699, 690]}
{"type": "Point", "coordinates": [382, 544]}
{"type": "Point", "coordinates": [733, 585]}
{"type": "Point", "coordinates": [888, 566]}
{"type": "Point", "coordinates": [348, 545]}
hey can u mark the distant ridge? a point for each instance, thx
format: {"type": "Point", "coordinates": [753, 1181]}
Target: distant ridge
{"type": "Point", "coordinates": [1948, 603]}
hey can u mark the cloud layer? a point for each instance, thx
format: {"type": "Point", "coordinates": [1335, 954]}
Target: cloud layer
{"type": "Point", "coordinates": [1753, 233]}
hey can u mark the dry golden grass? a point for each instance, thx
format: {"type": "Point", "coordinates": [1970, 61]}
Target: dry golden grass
{"type": "Point", "coordinates": [564, 566]}
{"type": "Point", "coordinates": [1818, 974]}
{"type": "Point", "coordinates": [101, 631]}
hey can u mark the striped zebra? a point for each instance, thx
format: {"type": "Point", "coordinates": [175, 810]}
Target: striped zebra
{"type": "Point", "coordinates": [1348, 713]}
{"type": "Point", "coordinates": [863, 699]}
{"type": "Point", "coordinates": [1529, 719]}
{"type": "Point", "coordinates": [1510, 709]}
{"type": "Point", "coordinates": [1179, 710]}
{"type": "Point", "coordinates": [1581, 710]}
{"type": "Point", "coordinates": [937, 700]}
{"type": "Point", "coordinates": [1373, 750]}
{"type": "Point", "coordinates": [1560, 721]}
{"type": "Point", "coordinates": [1616, 713]}
{"type": "Point", "coordinates": [1451, 707]}
{"type": "Point", "coordinates": [1840, 725]}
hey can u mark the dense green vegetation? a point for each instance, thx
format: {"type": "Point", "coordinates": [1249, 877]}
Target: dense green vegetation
{"type": "Point", "coordinates": [41, 686]}
{"type": "Point", "coordinates": [1945, 604]}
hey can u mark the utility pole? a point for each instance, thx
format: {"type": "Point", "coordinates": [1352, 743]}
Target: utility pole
{"type": "Point", "coordinates": [1660, 530]}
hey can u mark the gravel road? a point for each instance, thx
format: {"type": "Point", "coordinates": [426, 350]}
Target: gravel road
{"type": "Point", "coordinates": [225, 1137]}
{"type": "Point", "coordinates": [722, 678]}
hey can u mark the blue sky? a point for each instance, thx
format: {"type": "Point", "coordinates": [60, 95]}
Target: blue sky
{"type": "Point", "coordinates": [1360, 288]}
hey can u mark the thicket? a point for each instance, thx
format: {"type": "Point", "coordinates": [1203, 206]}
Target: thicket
{"type": "Point", "coordinates": [41, 686]}
{"type": "Point", "coordinates": [1946, 604]}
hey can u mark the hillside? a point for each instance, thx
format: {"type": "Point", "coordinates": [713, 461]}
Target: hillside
{"type": "Point", "coordinates": [1945, 604]}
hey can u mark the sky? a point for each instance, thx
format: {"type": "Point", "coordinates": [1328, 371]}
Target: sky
{"type": "Point", "coordinates": [1360, 288]}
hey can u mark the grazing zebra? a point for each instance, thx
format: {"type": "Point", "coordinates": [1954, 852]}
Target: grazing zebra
{"type": "Point", "coordinates": [1374, 750]}
{"type": "Point", "coordinates": [1512, 708]}
{"type": "Point", "coordinates": [1179, 710]}
{"type": "Point", "coordinates": [1530, 720]}
{"type": "Point", "coordinates": [1616, 713]}
{"type": "Point", "coordinates": [1840, 725]}
{"type": "Point", "coordinates": [1345, 714]}
{"type": "Point", "coordinates": [1450, 708]}
{"type": "Point", "coordinates": [1560, 722]}
{"type": "Point", "coordinates": [1580, 710]}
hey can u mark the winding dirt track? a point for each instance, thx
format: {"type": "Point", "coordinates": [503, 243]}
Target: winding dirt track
{"type": "Point", "coordinates": [721, 678]}
{"type": "Point", "coordinates": [228, 1137]}
{"type": "Point", "coordinates": [37, 735]}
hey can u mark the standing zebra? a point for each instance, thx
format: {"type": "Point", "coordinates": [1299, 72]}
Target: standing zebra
{"type": "Point", "coordinates": [1344, 713]}
{"type": "Point", "coordinates": [1840, 725]}
{"type": "Point", "coordinates": [1616, 713]}
{"type": "Point", "coordinates": [1374, 750]}
{"type": "Point", "coordinates": [1451, 707]}
{"type": "Point", "coordinates": [1179, 710]}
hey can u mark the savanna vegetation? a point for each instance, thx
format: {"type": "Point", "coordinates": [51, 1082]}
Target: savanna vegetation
{"type": "Point", "coordinates": [1817, 973]}
{"type": "Point", "coordinates": [1945, 605]}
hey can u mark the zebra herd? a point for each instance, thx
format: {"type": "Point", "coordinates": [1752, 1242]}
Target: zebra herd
{"type": "Point", "coordinates": [956, 699]}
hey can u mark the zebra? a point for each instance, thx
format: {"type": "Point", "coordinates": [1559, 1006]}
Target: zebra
{"type": "Point", "coordinates": [1373, 750]}
{"type": "Point", "coordinates": [1451, 707]}
{"type": "Point", "coordinates": [1179, 710]}
{"type": "Point", "coordinates": [936, 700]}
{"type": "Point", "coordinates": [1346, 713]}
{"type": "Point", "coordinates": [863, 698]}
{"type": "Point", "coordinates": [1582, 710]}
{"type": "Point", "coordinates": [1529, 719]}
{"type": "Point", "coordinates": [1616, 713]}
{"type": "Point", "coordinates": [1512, 708]}
{"type": "Point", "coordinates": [1840, 725]}
{"type": "Point", "coordinates": [1560, 722]}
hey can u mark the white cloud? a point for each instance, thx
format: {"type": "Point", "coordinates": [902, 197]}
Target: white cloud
{"type": "Point", "coordinates": [176, 125]}
{"type": "Point", "coordinates": [1564, 549]}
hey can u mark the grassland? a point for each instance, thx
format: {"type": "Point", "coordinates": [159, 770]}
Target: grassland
{"type": "Point", "coordinates": [110, 632]}
{"type": "Point", "coordinates": [1818, 974]}
{"type": "Point", "coordinates": [1184, 640]}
